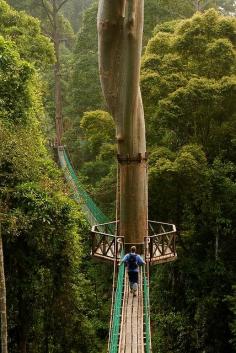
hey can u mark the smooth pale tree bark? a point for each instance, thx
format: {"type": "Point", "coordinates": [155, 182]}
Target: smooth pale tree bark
{"type": "Point", "coordinates": [52, 8]}
{"type": "Point", "coordinates": [120, 29]}
{"type": "Point", "coordinates": [3, 306]}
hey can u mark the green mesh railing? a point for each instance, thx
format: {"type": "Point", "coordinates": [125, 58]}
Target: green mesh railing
{"type": "Point", "coordinates": [83, 195]}
{"type": "Point", "coordinates": [117, 308]}
{"type": "Point", "coordinates": [147, 329]}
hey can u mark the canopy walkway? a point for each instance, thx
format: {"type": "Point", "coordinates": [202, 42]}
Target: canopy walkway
{"type": "Point", "coordinates": [130, 329]}
{"type": "Point", "coordinates": [130, 315]}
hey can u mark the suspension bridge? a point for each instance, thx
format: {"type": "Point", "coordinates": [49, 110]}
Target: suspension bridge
{"type": "Point", "coordinates": [130, 330]}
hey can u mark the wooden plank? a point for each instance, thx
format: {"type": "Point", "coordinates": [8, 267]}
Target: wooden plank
{"type": "Point", "coordinates": [131, 332]}
{"type": "Point", "coordinates": [128, 344]}
{"type": "Point", "coordinates": [123, 318]}
{"type": "Point", "coordinates": [135, 323]}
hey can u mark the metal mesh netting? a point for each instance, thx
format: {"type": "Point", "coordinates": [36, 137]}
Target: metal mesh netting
{"type": "Point", "coordinates": [93, 212]}
{"type": "Point", "coordinates": [115, 330]}
{"type": "Point", "coordinates": [146, 314]}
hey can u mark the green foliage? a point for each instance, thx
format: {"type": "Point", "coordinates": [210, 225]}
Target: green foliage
{"type": "Point", "coordinates": [189, 72]}
{"type": "Point", "coordinates": [188, 86]}
{"type": "Point", "coordinates": [83, 85]}
{"type": "Point", "coordinates": [231, 299]}
{"type": "Point", "coordinates": [97, 151]}
{"type": "Point", "coordinates": [159, 11]}
{"type": "Point", "coordinates": [36, 9]}
{"type": "Point", "coordinates": [85, 92]}
{"type": "Point", "coordinates": [190, 307]}
{"type": "Point", "coordinates": [51, 304]}
{"type": "Point", "coordinates": [73, 11]}
{"type": "Point", "coordinates": [15, 80]}
{"type": "Point", "coordinates": [43, 263]}
{"type": "Point", "coordinates": [25, 32]}
{"type": "Point", "coordinates": [98, 128]}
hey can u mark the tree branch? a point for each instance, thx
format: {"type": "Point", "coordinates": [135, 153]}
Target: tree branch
{"type": "Point", "coordinates": [206, 4]}
{"type": "Point", "coordinates": [62, 4]}
{"type": "Point", "coordinates": [46, 8]}
{"type": "Point", "coordinates": [47, 33]}
{"type": "Point", "coordinates": [178, 14]}
{"type": "Point", "coordinates": [48, 12]}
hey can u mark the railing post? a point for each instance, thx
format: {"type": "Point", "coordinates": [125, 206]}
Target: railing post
{"type": "Point", "coordinates": [151, 248]}
{"type": "Point", "coordinates": [116, 311]}
{"type": "Point", "coordinates": [148, 346]}
{"type": "Point", "coordinates": [93, 241]}
{"type": "Point", "coordinates": [163, 244]}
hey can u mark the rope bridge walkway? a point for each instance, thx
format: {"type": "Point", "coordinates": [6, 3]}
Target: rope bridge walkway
{"type": "Point", "coordinates": [130, 321]}
{"type": "Point", "coordinates": [131, 333]}
{"type": "Point", "coordinates": [130, 316]}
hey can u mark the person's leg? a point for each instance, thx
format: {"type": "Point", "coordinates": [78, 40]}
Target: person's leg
{"type": "Point", "coordinates": [131, 282]}
{"type": "Point", "coordinates": [135, 285]}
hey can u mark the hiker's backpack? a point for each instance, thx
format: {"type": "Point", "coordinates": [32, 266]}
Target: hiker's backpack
{"type": "Point", "coordinates": [132, 262]}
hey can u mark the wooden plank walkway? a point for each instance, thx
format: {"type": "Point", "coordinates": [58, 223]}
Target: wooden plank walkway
{"type": "Point", "coordinates": [131, 333]}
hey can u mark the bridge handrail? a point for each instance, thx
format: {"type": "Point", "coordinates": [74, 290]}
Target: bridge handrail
{"type": "Point", "coordinates": [111, 226]}
{"type": "Point", "coordinates": [95, 211]}
{"type": "Point", "coordinates": [147, 326]}
{"type": "Point", "coordinates": [164, 233]}
{"type": "Point", "coordinates": [167, 224]}
{"type": "Point", "coordinates": [116, 311]}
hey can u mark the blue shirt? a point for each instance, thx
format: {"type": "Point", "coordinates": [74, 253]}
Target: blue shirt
{"type": "Point", "coordinates": [139, 261]}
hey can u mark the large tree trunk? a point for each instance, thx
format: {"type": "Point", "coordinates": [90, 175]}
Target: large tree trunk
{"type": "Point", "coordinates": [58, 95]}
{"type": "Point", "coordinates": [120, 27]}
{"type": "Point", "coordinates": [52, 8]}
{"type": "Point", "coordinates": [57, 77]}
{"type": "Point", "coordinates": [3, 306]}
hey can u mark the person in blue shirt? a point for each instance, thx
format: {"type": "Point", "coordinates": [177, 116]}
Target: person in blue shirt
{"type": "Point", "coordinates": [132, 262]}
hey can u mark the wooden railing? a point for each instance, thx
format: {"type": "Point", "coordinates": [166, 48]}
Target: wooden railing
{"type": "Point", "coordinates": [160, 244]}
{"type": "Point", "coordinates": [105, 244]}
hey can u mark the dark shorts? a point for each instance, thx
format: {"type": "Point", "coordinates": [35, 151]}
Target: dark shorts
{"type": "Point", "coordinates": [133, 277]}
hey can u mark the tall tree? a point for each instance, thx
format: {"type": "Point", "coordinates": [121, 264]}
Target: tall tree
{"type": "Point", "coordinates": [120, 26]}
{"type": "Point", "coordinates": [52, 9]}
{"type": "Point", "coordinates": [73, 11]}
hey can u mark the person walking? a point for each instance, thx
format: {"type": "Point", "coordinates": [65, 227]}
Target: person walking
{"type": "Point", "coordinates": [132, 262]}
